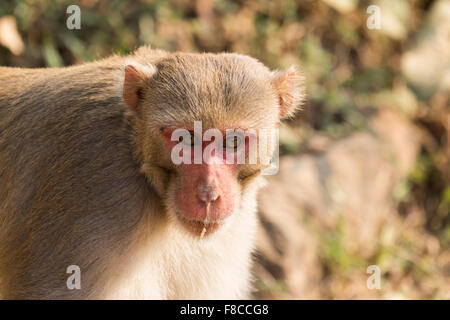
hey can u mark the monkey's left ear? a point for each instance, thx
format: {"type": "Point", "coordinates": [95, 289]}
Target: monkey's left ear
{"type": "Point", "coordinates": [289, 87]}
{"type": "Point", "coordinates": [135, 80]}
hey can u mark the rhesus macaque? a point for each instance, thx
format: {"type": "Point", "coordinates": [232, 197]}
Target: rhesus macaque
{"type": "Point", "coordinates": [87, 178]}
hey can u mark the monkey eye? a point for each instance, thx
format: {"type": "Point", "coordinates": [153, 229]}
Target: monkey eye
{"type": "Point", "coordinates": [191, 139]}
{"type": "Point", "coordinates": [232, 142]}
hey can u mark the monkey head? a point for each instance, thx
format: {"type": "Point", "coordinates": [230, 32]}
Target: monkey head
{"type": "Point", "coordinates": [194, 116]}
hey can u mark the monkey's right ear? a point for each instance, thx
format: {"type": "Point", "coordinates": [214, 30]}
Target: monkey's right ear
{"type": "Point", "coordinates": [135, 81]}
{"type": "Point", "coordinates": [289, 88]}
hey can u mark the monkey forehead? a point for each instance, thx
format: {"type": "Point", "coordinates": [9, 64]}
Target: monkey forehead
{"type": "Point", "coordinates": [214, 88]}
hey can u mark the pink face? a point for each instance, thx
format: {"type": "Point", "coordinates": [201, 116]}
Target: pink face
{"type": "Point", "coordinates": [206, 193]}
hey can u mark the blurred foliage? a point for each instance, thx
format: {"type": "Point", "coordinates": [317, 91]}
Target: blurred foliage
{"type": "Point", "coordinates": [351, 71]}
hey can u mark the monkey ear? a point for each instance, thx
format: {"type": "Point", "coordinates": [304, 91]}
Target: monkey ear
{"type": "Point", "coordinates": [135, 81]}
{"type": "Point", "coordinates": [289, 87]}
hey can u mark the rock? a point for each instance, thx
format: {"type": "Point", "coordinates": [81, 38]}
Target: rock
{"type": "Point", "coordinates": [347, 187]}
{"type": "Point", "coordinates": [427, 64]}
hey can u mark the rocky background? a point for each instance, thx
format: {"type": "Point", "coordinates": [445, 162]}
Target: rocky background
{"type": "Point", "coordinates": [365, 169]}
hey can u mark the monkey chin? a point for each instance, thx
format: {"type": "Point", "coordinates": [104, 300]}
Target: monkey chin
{"type": "Point", "coordinates": [199, 229]}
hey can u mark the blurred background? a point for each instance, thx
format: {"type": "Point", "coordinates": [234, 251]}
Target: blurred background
{"type": "Point", "coordinates": [365, 168]}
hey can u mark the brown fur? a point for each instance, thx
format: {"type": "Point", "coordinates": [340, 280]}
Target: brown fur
{"type": "Point", "coordinates": [79, 185]}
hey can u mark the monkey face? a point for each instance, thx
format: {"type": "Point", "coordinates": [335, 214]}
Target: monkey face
{"type": "Point", "coordinates": [221, 92]}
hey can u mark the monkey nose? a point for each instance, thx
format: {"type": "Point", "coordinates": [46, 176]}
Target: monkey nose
{"type": "Point", "coordinates": [208, 194]}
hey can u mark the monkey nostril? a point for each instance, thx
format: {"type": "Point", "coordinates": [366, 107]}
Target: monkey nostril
{"type": "Point", "coordinates": [214, 196]}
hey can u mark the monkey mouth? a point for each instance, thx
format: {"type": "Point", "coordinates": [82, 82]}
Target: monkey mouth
{"type": "Point", "coordinates": [200, 229]}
